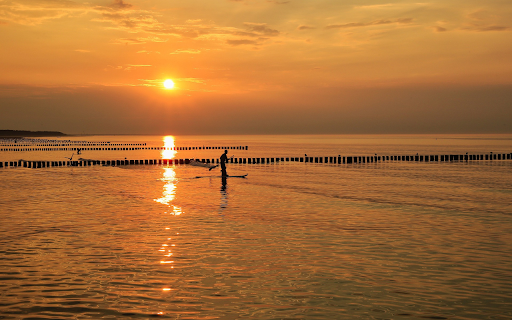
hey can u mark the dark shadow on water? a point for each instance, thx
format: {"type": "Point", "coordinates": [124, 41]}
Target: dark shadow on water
{"type": "Point", "coordinates": [223, 194]}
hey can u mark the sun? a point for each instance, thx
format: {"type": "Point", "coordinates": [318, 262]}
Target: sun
{"type": "Point", "coordinates": [168, 84]}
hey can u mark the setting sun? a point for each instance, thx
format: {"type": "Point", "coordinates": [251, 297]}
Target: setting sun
{"type": "Point", "coordinates": [169, 84]}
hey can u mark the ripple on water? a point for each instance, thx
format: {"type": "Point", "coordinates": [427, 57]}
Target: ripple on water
{"type": "Point", "coordinates": [362, 244]}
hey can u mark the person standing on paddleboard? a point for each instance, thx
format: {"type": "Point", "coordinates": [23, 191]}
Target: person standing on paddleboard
{"type": "Point", "coordinates": [223, 160]}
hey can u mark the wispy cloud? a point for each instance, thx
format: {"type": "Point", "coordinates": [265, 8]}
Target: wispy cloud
{"type": "Point", "coordinates": [484, 28]}
{"type": "Point", "coordinates": [486, 21]}
{"type": "Point", "coordinates": [194, 80]}
{"type": "Point", "coordinates": [368, 24]}
{"type": "Point", "coordinates": [261, 29]}
{"type": "Point", "coordinates": [124, 16]}
{"type": "Point", "coordinates": [129, 21]}
{"type": "Point", "coordinates": [148, 52]}
{"type": "Point", "coordinates": [129, 67]}
{"type": "Point", "coordinates": [305, 27]}
{"type": "Point", "coordinates": [241, 42]}
{"type": "Point", "coordinates": [133, 41]}
{"type": "Point", "coordinates": [38, 11]}
{"type": "Point", "coordinates": [189, 51]}
{"type": "Point", "coordinates": [257, 33]}
{"type": "Point", "coordinates": [120, 5]}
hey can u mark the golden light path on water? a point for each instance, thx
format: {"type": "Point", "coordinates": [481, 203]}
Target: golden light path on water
{"type": "Point", "coordinates": [168, 152]}
{"type": "Point", "coordinates": [168, 195]}
{"type": "Point", "coordinates": [169, 177]}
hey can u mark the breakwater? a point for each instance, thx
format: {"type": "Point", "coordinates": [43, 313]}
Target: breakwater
{"type": "Point", "coordinates": [270, 160]}
{"type": "Point", "coordinates": [114, 147]}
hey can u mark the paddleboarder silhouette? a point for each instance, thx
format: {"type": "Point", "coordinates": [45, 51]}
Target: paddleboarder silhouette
{"type": "Point", "coordinates": [223, 160]}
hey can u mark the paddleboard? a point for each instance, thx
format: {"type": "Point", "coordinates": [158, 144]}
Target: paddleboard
{"type": "Point", "coordinates": [241, 176]}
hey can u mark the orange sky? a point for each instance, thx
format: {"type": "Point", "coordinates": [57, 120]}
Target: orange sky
{"type": "Point", "coordinates": [256, 66]}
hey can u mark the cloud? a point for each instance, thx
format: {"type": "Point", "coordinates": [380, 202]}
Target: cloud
{"type": "Point", "coordinates": [190, 51]}
{"type": "Point", "coordinates": [241, 42]}
{"type": "Point", "coordinates": [38, 11]}
{"type": "Point", "coordinates": [133, 41]}
{"type": "Point", "coordinates": [186, 31]}
{"type": "Point", "coordinates": [194, 80]}
{"type": "Point", "coordinates": [261, 29]}
{"type": "Point", "coordinates": [125, 17]}
{"type": "Point", "coordinates": [119, 4]}
{"type": "Point", "coordinates": [367, 24]}
{"type": "Point", "coordinates": [129, 22]}
{"type": "Point", "coordinates": [253, 33]}
{"type": "Point", "coordinates": [481, 15]}
{"type": "Point", "coordinates": [440, 29]}
{"type": "Point", "coordinates": [128, 67]}
{"type": "Point", "coordinates": [304, 27]}
{"type": "Point", "coordinates": [128, 41]}
{"type": "Point", "coordinates": [148, 52]}
{"type": "Point", "coordinates": [82, 50]}
{"type": "Point", "coordinates": [485, 21]}
{"type": "Point", "coordinates": [480, 28]}
{"type": "Point", "coordinates": [116, 5]}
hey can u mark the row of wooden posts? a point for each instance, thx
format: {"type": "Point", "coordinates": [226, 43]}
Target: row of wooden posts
{"type": "Point", "coordinates": [124, 148]}
{"type": "Point", "coordinates": [67, 144]}
{"type": "Point", "coordinates": [332, 160]}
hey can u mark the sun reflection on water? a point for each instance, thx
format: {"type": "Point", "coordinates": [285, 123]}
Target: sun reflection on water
{"type": "Point", "coordinates": [168, 196]}
{"type": "Point", "coordinates": [168, 152]}
{"type": "Point", "coordinates": [169, 192]}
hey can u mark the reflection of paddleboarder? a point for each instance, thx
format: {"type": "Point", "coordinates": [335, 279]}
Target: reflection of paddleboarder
{"type": "Point", "coordinates": [224, 194]}
{"type": "Point", "coordinates": [223, 160]}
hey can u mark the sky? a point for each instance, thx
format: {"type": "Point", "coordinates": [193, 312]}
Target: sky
{"type": "Point", "coordinates": [256, 66]}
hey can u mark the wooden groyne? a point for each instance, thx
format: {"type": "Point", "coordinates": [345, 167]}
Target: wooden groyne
{"type": "Point", "coordinates": [66, 144]}
{"type": "Point", "coordinates": [117, 147]}
{"type": "Point", "coordinates": [273, 160]}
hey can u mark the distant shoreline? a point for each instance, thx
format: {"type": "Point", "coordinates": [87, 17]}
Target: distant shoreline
{"type": "Point", "coordinates": [26, 133]}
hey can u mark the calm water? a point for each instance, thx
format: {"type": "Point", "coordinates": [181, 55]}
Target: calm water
{"type": "Point", "coordinates": [393, 240]}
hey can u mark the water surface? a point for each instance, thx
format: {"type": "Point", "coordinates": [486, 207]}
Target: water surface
{"type": "Point", "coordinates": [386, 240]}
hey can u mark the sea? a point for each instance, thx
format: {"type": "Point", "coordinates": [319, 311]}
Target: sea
{"type": "Point", "coordinates": [291, 240]}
